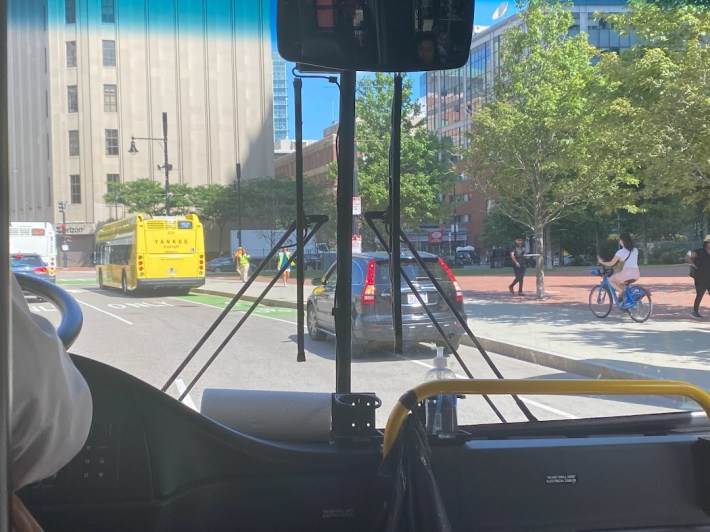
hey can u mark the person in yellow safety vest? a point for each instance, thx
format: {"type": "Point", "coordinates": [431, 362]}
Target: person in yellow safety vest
{"type": "Point", "coordinates": [241, 258]}
{"type": "Point", "coordinates": [284, 258]}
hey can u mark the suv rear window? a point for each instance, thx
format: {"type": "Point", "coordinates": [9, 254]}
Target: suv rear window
{"type": "Point", "coordinates": [25, 260]}
{"type": "Point", "coordinates": [412, 269]}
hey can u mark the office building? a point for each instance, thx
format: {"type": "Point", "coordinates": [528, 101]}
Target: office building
{"type": "Point", "coordinates": [280, 89]}
{"type": "Point", "coordinates": [87, 75]}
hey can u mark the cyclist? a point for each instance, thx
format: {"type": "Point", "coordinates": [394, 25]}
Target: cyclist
{"type": "Point", "coordinates": [628, 254]}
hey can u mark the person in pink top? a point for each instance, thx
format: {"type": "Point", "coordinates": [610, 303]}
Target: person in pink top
{"type": "Point", "coordinates": [628, 254]}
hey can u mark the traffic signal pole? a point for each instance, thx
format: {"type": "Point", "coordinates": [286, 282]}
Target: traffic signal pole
{"type": "Point", "coordinates": [63, 210]}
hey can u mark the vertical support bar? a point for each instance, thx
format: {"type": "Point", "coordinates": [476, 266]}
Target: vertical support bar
{"type": "Point", "coordinates": [300, 220]}
{"type": "Point", "coordinates": [5, 286]}
{"type": "Point", "coordinates": [166, 166]}
{"type": "Point", "coordinates": [394, 208]}
{"type": "Point", "coordinates": [64, 232]}
{"type": "Point", "coordinates": [343, 288]}
{"type": "Point", "coordinates": [239, 204]}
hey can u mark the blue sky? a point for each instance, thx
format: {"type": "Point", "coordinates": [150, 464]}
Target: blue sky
{"type": "Point", "coordinates": [320, 98]}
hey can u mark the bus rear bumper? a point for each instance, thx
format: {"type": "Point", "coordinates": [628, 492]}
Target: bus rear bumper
{"type": "Point", "coordinates": [177, 282]}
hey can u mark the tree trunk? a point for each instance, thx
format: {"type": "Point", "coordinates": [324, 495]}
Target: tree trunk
{"type": "Point", "coordinates": [706, 225]}
{"type": "Point", "coordinates": [540, 269]}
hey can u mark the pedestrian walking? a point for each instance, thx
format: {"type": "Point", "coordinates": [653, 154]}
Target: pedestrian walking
{"type": "Point", "coordinates": [699, 261]}
{"type": "Point", "coordinates": [284, 258]}
{"type": "Point", "coordinates": [241, 258]}
{"type": "Point", "coordinates": [517, 254]}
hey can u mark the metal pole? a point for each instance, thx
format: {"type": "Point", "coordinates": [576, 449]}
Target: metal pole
{"type": "Point", "coordinates": [239, 204]}
{"type": "Point", "coordinates": [300, 221]}
{"type": "Point", "coordinates": [395, 257]}
{"type": "Point", "coordinates": [166, 166]}
{"type": "Point", "coordinates": [64, 232]}
{"type": "Point", "coordinates": [343, 288]}
{"type": "Point", "coordinates": [5, 291]}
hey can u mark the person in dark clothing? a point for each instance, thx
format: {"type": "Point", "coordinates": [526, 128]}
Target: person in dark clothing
{"type": "Point", "coordinates": [517, 254]}
{"type": "Point", "coordinates": [699, 261]}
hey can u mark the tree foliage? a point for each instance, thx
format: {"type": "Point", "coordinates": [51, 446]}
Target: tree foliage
{"type": "Point", "coordinates": [544, 144]}
{"type": "Point", "coordinates": [665, 79]}
{"type": "Point", "coordinates": [142, 195]}
{"type": "Point", "coordinates": [426, 170]}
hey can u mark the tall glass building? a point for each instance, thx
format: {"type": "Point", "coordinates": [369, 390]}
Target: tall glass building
{"type": "Point", "coordinates": [280, 89]}
{"type": "Point", "coordinates": [452, 96]}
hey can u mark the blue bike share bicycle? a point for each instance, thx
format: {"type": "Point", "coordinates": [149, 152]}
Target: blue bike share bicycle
{"type": "Point", "coordinates": [637, 299]}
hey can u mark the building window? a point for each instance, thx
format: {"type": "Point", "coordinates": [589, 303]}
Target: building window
{"type": "Point", "coordinates": [72, 99]}
{"type": "Point", "coordinates": [111, 180]}
{"type": "Point", "coordinates": [74, 143]}
{"type": "Point", "coordinates": [71, 54]}
{"type": "Point", "coordinates": [75, 182]}
{"type": "Point", "coordinates": [112, 142]}
{"type": "Point", "coordinates": [109, 52]}
{"type": "Point", "coordinates": [108, 11]}
{"type": "Point", "coordinates": [110, 100]}
{"type": "Point", "coordinates": [69, 11]}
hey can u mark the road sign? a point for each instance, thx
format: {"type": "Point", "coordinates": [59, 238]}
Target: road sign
{"type": "Point", "coordinates": [357, 244]}
{"type": "Point", "coordinates": [357, 206]}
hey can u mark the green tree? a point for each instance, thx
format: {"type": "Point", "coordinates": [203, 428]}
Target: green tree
{"type": "Point", "coordinates": [269, 203]}
{"type": "Point", "coordinates": [665, 79]}
{"type": "Point", "coordinates": [148, 196]}
{"type": "Point", "coordinates": [217, 205]}
{"type": "Point", "coordinates": [426, 170]}
{"type": "Point", "coordinates": [139, 196]}
{"type": "Point", "coordinates": [544, 144]}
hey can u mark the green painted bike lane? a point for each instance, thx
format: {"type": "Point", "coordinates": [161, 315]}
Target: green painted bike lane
{"type": "Point", "coordinates": [218, 302]}
{"type": "Point", "coordinates": [241, 306]}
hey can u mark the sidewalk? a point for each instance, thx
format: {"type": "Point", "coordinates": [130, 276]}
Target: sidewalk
{"type": "Point", "coordinates": [560, 332]}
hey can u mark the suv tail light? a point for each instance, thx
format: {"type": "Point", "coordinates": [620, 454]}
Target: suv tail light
{"type": "Point", "coordinates": [457, 287]}
{"type": "Point", "coordinates": [368, 293]}
{"type": "Point", "coordinates": [40, 269]}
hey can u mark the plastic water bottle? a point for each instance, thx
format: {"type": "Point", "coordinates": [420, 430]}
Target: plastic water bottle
{"type": "Point", "coordinates": [441, 409]}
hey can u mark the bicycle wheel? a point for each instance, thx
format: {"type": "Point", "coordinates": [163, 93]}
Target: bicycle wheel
{"type": "Point", "coordinates": [600, 301]}
{"type": "Point", "coordinates": [642, 307]}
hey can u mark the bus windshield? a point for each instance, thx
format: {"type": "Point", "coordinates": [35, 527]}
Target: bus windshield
{"type": "Point", "coordinates": [156, 147]}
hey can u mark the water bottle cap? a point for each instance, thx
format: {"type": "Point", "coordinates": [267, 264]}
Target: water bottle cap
{"type": "Point", "coordinates": [440, 360]}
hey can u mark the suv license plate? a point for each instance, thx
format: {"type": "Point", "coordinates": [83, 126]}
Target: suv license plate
{"type": "Point", "coordinates": [412, 299]}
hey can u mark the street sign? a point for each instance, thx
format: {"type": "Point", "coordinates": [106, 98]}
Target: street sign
{"type": "Point", "coordinates": [357, 206]}
{"type": "Point", "coordinates": [357, 244]}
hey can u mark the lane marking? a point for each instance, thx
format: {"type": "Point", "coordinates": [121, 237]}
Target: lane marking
{"type": "Point", "coordinates": [105, 312]}
{"type": "Point", "coordinates": [242, 311]}
{"type": "Point", "coordinates": [187, 401]}
{"type": "Point", "coordinates": [524, 399]}
{"type": "Point", "coordinates": [548, 408]}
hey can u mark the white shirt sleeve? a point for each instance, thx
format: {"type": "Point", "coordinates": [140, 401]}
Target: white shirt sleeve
{"type": "Point", "coordinates": [51, 402]}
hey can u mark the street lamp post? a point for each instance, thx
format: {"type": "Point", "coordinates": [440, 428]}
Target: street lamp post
{"type": "Point", "coordinates": [166, 165]}
{"type": "Point", "coordinates": [239, 203]}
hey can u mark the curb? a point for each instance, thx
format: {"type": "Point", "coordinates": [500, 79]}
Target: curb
{"type": "Point", "coordinates": [266, 301]}
{"type": "Point", "coordinates": [553, 360]}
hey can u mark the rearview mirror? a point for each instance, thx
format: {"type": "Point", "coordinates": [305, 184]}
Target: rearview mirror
{"type": "Point", "coordinates": [376, 35]}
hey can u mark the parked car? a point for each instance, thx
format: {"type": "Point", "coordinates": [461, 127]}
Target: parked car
{"type": "Point", "coordinates": [31, 264]}
{"type": "Point", "coordinates": [371, 302]}
{"type": "Point", "coordinates": [222, 264]}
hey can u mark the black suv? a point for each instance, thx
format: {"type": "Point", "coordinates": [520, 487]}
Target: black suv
{"type": "Point", "coordinates": [372, 302]}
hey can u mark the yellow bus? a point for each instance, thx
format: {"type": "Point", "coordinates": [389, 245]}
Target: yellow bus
{"type": "Point", "coordinates": [142, 252]}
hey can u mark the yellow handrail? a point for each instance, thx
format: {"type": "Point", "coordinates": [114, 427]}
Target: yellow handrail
{"type": "Point", "coordinates": [539, 387]}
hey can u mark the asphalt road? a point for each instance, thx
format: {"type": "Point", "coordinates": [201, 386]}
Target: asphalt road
{"type": "Point", "coordinates": [149, 336]}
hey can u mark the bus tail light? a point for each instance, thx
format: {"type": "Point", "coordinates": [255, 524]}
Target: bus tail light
{"type": "Point", "coordinates": [368, 293]}
{"type": "Point", "coordinates": [452, 278]}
